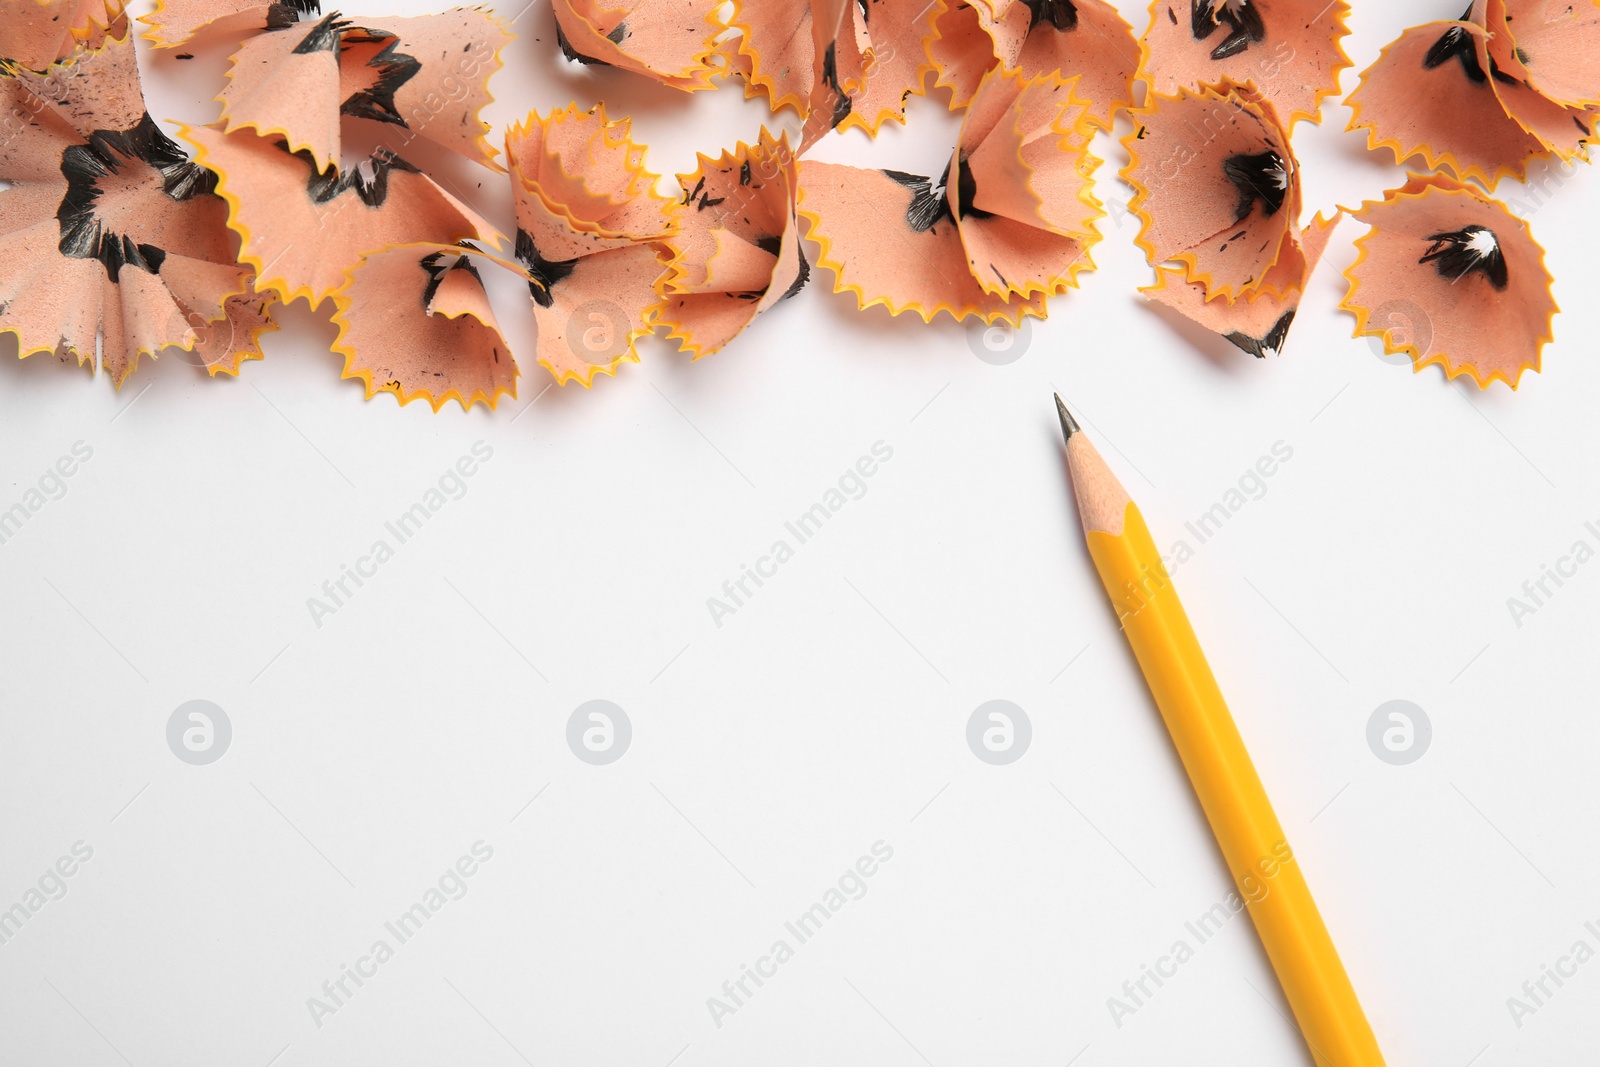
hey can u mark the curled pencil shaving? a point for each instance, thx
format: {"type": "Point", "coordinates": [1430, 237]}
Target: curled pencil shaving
{"type": "Point", "coordinates": [1083, 38]}
{"type": "Point", "coordinates": [286, 83]}
{"type": "Point", "coordinates": [588, 167]}
{"type": "Point", "coordinates": [414, 320]}
{"type": "Point", "coordinates": [590, 227]}
{"type": "Point", "coordinates": [902, 268]}
{"type": "Point", "coordinates": [774, 52]}
{"type": "Point", "coordinates": [95, 88]}
{"type": "Point", "coordinates": [1429, 94]}
{"type": "Point", "coordinates": [227, 343]}
{"type": "Point", "coordinates": [737, 251]}
{"type": "Point", "coordinates": [1026, 211]}
{"type": "Point", "coordinates": [898, 32]}
{"type": "Point", "coordinates": [1086, 38]}
{"type": "Point", "coordinates": [1465, 99]}
{"type": "Point", "coordinates": [1290, 51]}
{"type": "Point", "coordinates": [1257, 323]}
{"type": "Point", "coordinates": [841, 61]}
{"type": "Point", "coordinates": [1009, 222]}
{"type": "Point", "coordinates": [177, 22]}
{"type": "Point", "coordinates": [111, 241]}
{"type": "Point", "coordinates": [1561, 129]}
{"type": "Point", "coordinates": [448, 58]}
{"type": "Point", "coordinates": [301, 229]}
{"type": "Point", "coordinates": [426, 76]}
{"type": "Point", "coordinates": [778, 49]}
{"type": "Point", "coordinates": [1557, 46]}
{"type": "Point", "coordinates": [1452, 278]}
{"type": "Point", "coordinates": [962, 52]}
{"type": "Point", "coordinates": [670, 41]}
{"type": "Point", "coordinates": [1216, 186]}
{"type": "Point", "coordinates": [41, 32]}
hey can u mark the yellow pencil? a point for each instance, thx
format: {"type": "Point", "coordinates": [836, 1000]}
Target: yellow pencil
{"type": "Point", "coordinates": [1253, 845]}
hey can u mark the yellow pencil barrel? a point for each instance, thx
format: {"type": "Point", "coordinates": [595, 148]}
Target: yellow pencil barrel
{"type": "Point", "coordinates": [1252, 842]}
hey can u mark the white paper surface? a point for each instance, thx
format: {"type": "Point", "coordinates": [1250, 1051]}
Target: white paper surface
{"type": "Point", "coordinates": [773, 748]}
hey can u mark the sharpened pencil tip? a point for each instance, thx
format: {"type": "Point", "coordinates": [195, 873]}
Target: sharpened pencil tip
{"type": "Point", "coordinates": [1069, 425]}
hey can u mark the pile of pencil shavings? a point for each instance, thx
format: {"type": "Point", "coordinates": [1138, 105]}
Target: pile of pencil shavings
{"type": "Point", "coordinates": [122, 239]}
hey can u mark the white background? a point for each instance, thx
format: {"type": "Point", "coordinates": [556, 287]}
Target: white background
{"type": "Point", "coordinates": [830, 711]}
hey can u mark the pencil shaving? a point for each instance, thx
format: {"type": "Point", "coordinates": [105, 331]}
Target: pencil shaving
{"type": "Point", "coordinates": [1039, 38]}
{"type": "Point", "coordinates": [841, 55]}
{"type": "Point", "coordinates": [962, 52]}
{"type": "Point", "coordinates": [95, 87]}
{"type": "Point", "coordinates": [1216, 186]}
{"type": "Point", "coordinates": [112, 239]}
{"type": "Point", "coordinates": [886, 58]}
{"type": "Point", "coordinates": [1561, 43]}
{"type": "Point", "coordinates": [41, 32]}
{"type": "Point", "coordinates": [177, 22]}
{"type": "Point", "coordinates": [673, 42]}
{"type": "Point", "coordinates": [1009, 222]}
{"type": "Point", "coordinates": [737, 252]}
{"type": "Point", "coordinates": [414, 320]}
{"type": "Point", "coordinates": [898, 32]}
{"type": "Point", "coordinates": [426, 76]}
{"type": "Point", "coordinates": [1484, 96]}
{"type": "Point", "coordinates": [301, 229]}
{"type": "Point", "coordinates": [227, 343]}
{"type": "Point", "coordinates": [1289, 51]}
{"type": "Point", "coordinates": [590, 232]}
{"type": "Point", "coordinates": [1452, 278]}
{"type": "Point", "coordinates": [1564, 130]}
{"type": "Point", "coordinates": [1027, 215]}
{"type": "Point", "coordinates": [1083, 38]}
{"type": "Point", "coordinates": [1258, 322]}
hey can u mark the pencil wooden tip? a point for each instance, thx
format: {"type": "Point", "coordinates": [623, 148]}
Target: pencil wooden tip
{"type": "Point", "coordinates": [1102, 501]}
{"type": "Point", "coordinates": [1069, 425]}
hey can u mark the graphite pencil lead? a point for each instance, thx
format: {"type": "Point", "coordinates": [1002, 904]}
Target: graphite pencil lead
{"type": "Point", "coordinates": [1069, 425]}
